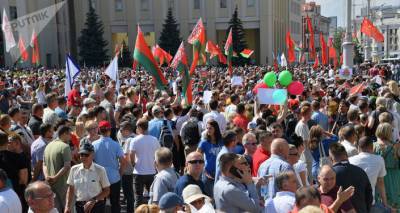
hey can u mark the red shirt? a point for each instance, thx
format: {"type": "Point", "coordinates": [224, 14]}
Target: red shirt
{"type": "Point", "coordinates": [323, 207]}
{"type": "Point", "coordinates": [73, 98]}
{"type": "Point", "coordinates": [258, 158]}
{"type": "Point", "coordinates": [241, 121]}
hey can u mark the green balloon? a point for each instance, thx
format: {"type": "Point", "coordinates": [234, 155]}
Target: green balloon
{"type": "Point", "coordinates": [270, 79]}
{"type": "Point", "coordinates": [285, 78]}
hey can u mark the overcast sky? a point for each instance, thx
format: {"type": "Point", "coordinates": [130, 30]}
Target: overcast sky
{"type": "Point", "coordinates": [338, 7]}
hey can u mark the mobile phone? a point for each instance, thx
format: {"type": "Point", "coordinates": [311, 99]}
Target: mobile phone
{"type": "Point", "coordinates": [234, 171]}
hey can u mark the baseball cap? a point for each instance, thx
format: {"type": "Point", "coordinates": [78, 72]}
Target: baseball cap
{"type": "Point", "coordinates": [86, 148]}
{"type": "Point", "coordinates": [170, 200]}
{"type": "Point", "coordinates": [104, 125]}
{"type": "Point", "coordinates": [252, 125]}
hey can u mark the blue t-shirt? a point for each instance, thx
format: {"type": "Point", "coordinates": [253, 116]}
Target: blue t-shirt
{"type": "Point", "coordinates": [316, 155]}
{"type": "Point", "coordinates": [155, 126]}
{"type": "Point", "coordinates": [61, 113]}
{"type": "Point", "coordinates": [186, 180]}
{"type": "Point", "coordinates": [107, 153]}
{"type": "Point", "coordinates": [239, 149]}
{"type": "Point", "coordinates": [210, 152]}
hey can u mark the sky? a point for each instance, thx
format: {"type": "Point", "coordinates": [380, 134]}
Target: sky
{"type": "Point", "coordinates": [338, 7]}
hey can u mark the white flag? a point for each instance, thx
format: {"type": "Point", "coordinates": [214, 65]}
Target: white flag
{"type": "Point", "coordinates": [283, 60]}
{"type": "Point", "coordinates": [8, 34]}
{"type": "Point", "coordinates": [112, 71]}
{"type": "Point", "coordinates": [71, 72]}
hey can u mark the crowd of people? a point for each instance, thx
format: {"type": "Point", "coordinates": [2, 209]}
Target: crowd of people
{"type": "Point", "coordinates": [333, 148]}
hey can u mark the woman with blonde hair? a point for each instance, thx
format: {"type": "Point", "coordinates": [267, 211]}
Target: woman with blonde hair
{"type": "Point", "coordinates": [391, 154]}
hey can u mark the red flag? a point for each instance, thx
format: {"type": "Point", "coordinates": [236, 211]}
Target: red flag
{"type": "Point", "coordinates": [35, 48]}
{"type": "Point", "coordinates": [323, 49]}
{"type": "Point", "coordinates": [134, 64]}
{"type": "Point", "coordinates": [311, 31]}
{"type": "Point", "coordinates": [229, 51]}
{"type": "Point", "coordinates": [198, 39]}
{"type": "Point", "coordinates": [332, 52]}
{"type": "Point", "coordinates": [246, 53]}
{"type": "Point", "coordinates": [316, 63]}
{"type": "Point", "coordinates": [22, 50]}
{"type": "Point", "coordinates": [357, 89]}
{"type": "Point", "coordinates": [214, 51]}
{"type": "Point", "coordinates": [180, 63]}
{"type": "Point", "coordinates": [290, 47]}
{"type": "Point", "coordinates": [368, 28]}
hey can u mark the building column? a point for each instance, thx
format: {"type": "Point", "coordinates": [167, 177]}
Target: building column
{"type": "Point", "coordinates": [348, 44]}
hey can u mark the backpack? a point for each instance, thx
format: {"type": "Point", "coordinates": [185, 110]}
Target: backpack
{"type": "Point", "coordinates": [190, 133]}
{"type": "Point", "coordinates": [166, 138]}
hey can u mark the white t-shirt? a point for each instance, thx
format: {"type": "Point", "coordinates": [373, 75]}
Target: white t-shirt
{"type": "Point", "coordinates": [373, 165]}
{"type": "Point", "coordinates": [351, 149]}
{"type": "Point", "coordinates": [9, 202]}
{"type": "Point", "coordinates": [144, 147]}
{"type": "Point", "coordinates": [302, 130]}
{"type": "Point", "coordinates": [300, 166]}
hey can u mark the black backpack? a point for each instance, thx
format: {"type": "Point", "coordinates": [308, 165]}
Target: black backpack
{"type": "Point", "coordinates": [190, 133]}
{"type": "Point", "coordinates": [166, 138]}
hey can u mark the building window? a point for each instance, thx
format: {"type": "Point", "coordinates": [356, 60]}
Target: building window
{"type": "Point", "coordinates": [144, 5]}
{"type": "Point", "coordinates": [222, 3]}
{"type": "Point", "coordinates": [170, 3]}
{"type": "Point", "coordinates": [119, 5]}
{"type": "Point", "coordinates": [13, 12]}
{"type": "Point", "coordinates": [196, 4]}
{"type": "Point", "coordinates": [251, 3]}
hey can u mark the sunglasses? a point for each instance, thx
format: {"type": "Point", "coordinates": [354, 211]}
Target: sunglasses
{"type": "Point", "coordinates": [196, 162]}
{"type": "Point", "coordinates": [84, 155]}
{"type": "Point", "coordinates": [294, 154]}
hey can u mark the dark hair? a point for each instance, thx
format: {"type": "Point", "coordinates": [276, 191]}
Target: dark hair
{"type": "Point", "coordinates": [13, 111]}
{"type": "Point", "coordinates": [62, 130]}
{"type": "Point", "coordinates": [234, 98]}
{"type": "Point", "coordinates": [143, 124]}
{"type": "Point", "coordinates": [61, 100]}
{"type": "Point", "coordinates": [296, 140]}
{"type": "Point", "coordinates": [226, 160]}
{"type": "Point", "coordinates": [365, 142]}
{"type": "Point", "coordinates": [167, 112]}
{"type": "Point", "coordinates": [229, 137]}
{"type": "Point", "coordinates": [213, 104]}
{"type": "Point", "coordinates": [50, 98]}
{"type": "Point", "coordinates": [98, 109]}
{"type": "Point", "coordinates": [126, 125]}
{"type": "Point", "coordinates": [282, 178]}
{"type": "Point", "coordinates": [217, 132]}
{"type": "Point", "coordinates": [3, 176]}
{"type": "Point", "coordinates": [3, 138]}
{"type": "Point", "coordinates": [240, 108]}
{"type": "Point", "coordinates": [44, 128]}
{"type": "Point", "coordinates": [108, 93]}
{"type": "Point", "coordinates": [36, 107]}
{"type": "Point", "coordinates": [348, 131]}
{"type": "Point", "coordinates": [306, 193]}
{"type": "Point", "coordinates": [337, 151]}
{"type": "Point", "coordinates": [352, 115]}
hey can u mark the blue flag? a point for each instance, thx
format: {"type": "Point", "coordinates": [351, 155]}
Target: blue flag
{"type": "Point", "coordinates": [71, 72]}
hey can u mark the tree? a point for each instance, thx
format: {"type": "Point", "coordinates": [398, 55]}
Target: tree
{"type": "Point", "coordinates": [170, 39]}
{"type": "Point", "coordinates": [91, 43]}
{"type": "Point", "coordinates": [338, 39]}
{"type": "Point", "coordinates": [238, 39]}
{"type": "Point", "coordinates": [358, 59]}
{"type": "Point", "coordinates": [125, 58]}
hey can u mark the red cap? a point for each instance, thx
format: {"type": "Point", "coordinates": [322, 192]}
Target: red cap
{"type": "Point", "coordinates": [104, 125]}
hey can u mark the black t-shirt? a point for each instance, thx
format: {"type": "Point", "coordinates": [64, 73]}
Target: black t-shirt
{"type": "Point", "coordinates": [12, 163]}
{"type": "Point", "coordinates": [34, 125]}
{"type": "Point", "coordinates": [4, 106]}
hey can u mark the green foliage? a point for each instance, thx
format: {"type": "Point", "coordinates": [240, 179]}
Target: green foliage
{"type": "Point", "coordinates": [358, 59]}
{"type": "Point", "coordinates": [238, 39]}
{"type": "Point", "coordinates": [91, 43]}
{"type": "Point", "coordinates": [338, 39]}
{"type": "Point", "coordinates": [169, 38]}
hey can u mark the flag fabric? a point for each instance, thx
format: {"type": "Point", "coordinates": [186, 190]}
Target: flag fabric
{"type": "Point", "coordinates": [316, 62]}
{"type": "Point", "coordinates": [143, 55]}
{"type": "Point", "coordinates": [167, 57]}
{"type": "Point", "coordinates": [160, 55]}
{"type": "Point", "coordinates": [357, 89]}
{"type": "Point", "coordinates": [246, 53]}
{"type": "Point", "coordinates": [112, 71]}
{"type": "Point", "coordinates": [180, 63]}
{"type": "Point", "coordinates": [229, 51]}
{"type": "Point", "coordinates": [134, 64]}
{"type": "Point", "coordinates": [290, 47]}
{"type": "Point", "coordinates": [198, 39]}
{"type": "Point", "coordinates": [22, 49]}
{"type": "Point", "coordinates": [8, 34]}
{"type": "Point", "coordinates": [71, 72]}
{"type": "Point", "coordinates": [302, 59]}
{"type": "Point", "coordinates": [311, 32]}
{"type": "Point", "coordinates": [276, 67]}
{"type": "Point", "coordinates": [283, 60]}
{"type": "Point", "coordinates": [214, 50]}
{"type": "Point", "coordinates": [368, 28]}
{"type": "Point", "coordinates": [35, 48]}
{"type": "Point", "coordinates": [324, 52]}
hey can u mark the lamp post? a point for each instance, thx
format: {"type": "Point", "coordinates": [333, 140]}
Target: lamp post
{"type": "Point", "coordinates": [348, 44]}
{"type": "Point", "coordinates": [367, 47]}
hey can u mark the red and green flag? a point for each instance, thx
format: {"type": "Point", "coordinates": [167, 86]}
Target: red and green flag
{"type": "Point", "coordinates": [214, 51]}
{"type": "Point", "coordinates": [180, 63]}
{"type": "Point", "coordinates": [198, 39]}
{"type": "Point", "coordinates": [290, 47]}
{"type": "Point", "coordinates": [229, 51]}
{"type": "Point", "coordinates": [35, 48]}
{"type": "Point", "coordinates": [161, 56]}
{"type": "Point", "coordinates": [246, 53]}
{"type": "Point", "coordinates": [22, 50]}
{"type": "Point", "coordinates": [143, 56]}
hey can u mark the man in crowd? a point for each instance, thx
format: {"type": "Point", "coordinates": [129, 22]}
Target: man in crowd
{"type": "Point", "coordinates": [350, 139]}
{"type": "Point", "coordinates": [37, 150]}
{"type": "Point", "coordinates": [107, 103]}
{"type": "Point", "coordinates": [166, 178]}
{"type": "Point", "coordinates": [18, 125]}
{"type": "Point", "coordinates": [235, 190]}
{"type": "Point", "coordinates": [9, 200]}
{"type": "Point", "coordinates": [263, 151]}
{"type": "Point", "coordinates": [49, 115]}
{"type": "Point", "coordinates": [283, 202]}
{"type": "Point", "coordinates": [249, 141]}
{"type": "Point", "coordinates": [349, 175]}
{"type": "Point", "coordinates": [88, 183]}
{"type": "Point", "coordinates": [109, 154]}
{"type": "Point", "coordinates": [57, 163]}
{"type": "Point", "coordinates": [194, 168]}
{"type": "Point", "coordinates": [229, 139]}
{"type": "Point", "coordinates": [36, 120]}
{"type": "Point", "coordinates": [40, 198]}
{"type": "Point", "coordinates": [215, 115]}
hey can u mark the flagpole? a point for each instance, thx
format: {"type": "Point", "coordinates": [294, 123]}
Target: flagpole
{"type": "Point", "coordinates": [348, 44]}
{"type": "Point", "coordinates": [367, 48]}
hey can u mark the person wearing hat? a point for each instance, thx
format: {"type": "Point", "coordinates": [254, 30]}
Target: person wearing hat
{"type": "Point", "coordinates": [109, 154]}
{"type": "Point", "coordinates": [87, 182]}
{"type": "Point", "coordinates": [193, 195]}
{"type": "Point", "coordinates": [88, 103]}
{"type": "Point", "coordinates": [170, 203]}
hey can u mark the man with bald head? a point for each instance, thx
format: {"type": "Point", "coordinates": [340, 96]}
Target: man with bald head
{"type": "Point", "coordinates": [332, 195]}
{"type": "Point", "coordinates": [40, 198]}
{"type": "Point", "coordinates": [194, 168]}
{"type": "Point", "coordinates": [275, 165]}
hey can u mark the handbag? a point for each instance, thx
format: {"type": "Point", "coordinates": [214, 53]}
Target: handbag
{"type": "Point", "coordinates": [323, 159]}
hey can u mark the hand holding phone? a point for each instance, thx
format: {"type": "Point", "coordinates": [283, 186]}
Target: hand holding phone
{"type": "Point", "coordinates": [244, 176]}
